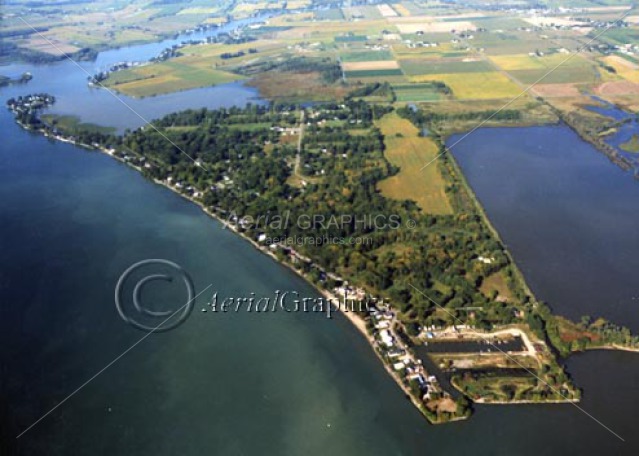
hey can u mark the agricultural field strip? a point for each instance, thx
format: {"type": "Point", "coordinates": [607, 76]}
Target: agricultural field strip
{"type": "Point", "coordinates": [373, 65]}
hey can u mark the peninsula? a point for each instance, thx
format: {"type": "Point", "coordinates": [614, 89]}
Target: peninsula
{"type": "Point", "coordinates": [441, 266]}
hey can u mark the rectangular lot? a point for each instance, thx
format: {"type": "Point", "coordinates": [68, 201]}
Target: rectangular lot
{"type": "Point", "coordinates": [410, 152]}
{"type": "Point", "coordinates": [366, 56]}
{"type": "Point", "coordinates": [475, 86]}
{"type": "Point", "coordinates": [374, 73]}
{"type": "Point", "coordinates": [417, 93]}
{"type": "Point", "coordinates": [375, 65]}
{"type": "Point", "coordinates": [424, 66]}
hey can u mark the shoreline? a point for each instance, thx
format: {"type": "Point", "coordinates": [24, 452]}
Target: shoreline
{"type": "Point", "coordinates": [357, 321]}
{"type": "Point", "coordinates": [610, 347]}
{"type": "Point", "coordinates": [526, 402]}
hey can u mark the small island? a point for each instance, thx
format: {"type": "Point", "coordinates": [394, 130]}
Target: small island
{"type": "Point", "coordinates": [23, 79]}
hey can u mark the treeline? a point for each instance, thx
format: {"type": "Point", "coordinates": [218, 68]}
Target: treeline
{"type": "Point", "coordinates": [377, 89]}
{"type": "Point", "coordinates": [281, 113]}
{"type": "Point", "coordinates": [233, 55]}
{"type": "Point", "coordinates": [329, 70]}
{"type": "Point", "coordinates": [420, 117]}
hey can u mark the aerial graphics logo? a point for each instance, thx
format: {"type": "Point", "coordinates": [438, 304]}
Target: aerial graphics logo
{"type": "Point", "coordinates": [142, 274]}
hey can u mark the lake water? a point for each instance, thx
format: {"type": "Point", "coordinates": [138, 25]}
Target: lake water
{"type": "Point", "coordinates": [569, 216]}
{"type": "Point", "coordinates": [625, 131]}
{"type": "Point", "coordinates": [72, 221]}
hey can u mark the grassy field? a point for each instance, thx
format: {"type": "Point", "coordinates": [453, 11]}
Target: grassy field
{"type": "Point", "coordinates": [410, 153]}
{"type": "Point", "coordinates": [168, 77]}
{"type": "Point", "coordinates": [557, 68]}
{"type": "Point", "coordinates": [419, 66]}
{"type": "Point", "coordinates": [73, 125]}
{"type": "Point", "coordinates": [622, 36]}
{"type": "Point", "coordinates": [511, 42]}
{"type": "Point", "coordinates": [366, 55]}
{"type": "Point", "coordinates": [373, 73]}
{"type": "Point", "coordinates": [496, 284]}
{"type": "Point", "coordinates": [624, 68]}
{"type": "Point", "coordinates": [517, 62]}
{"type": "Point", "coordinates": [333, 14]}
{"type": "Point", "coordinates": [416, 92]}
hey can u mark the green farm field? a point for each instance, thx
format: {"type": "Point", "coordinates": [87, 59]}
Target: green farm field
{"type": "Point", "coordinates": [366, 56]}
{"type": "Point", "coordinates": [417, 93]}
{"type": "Point", "coordinates": [374, 73]}
{"type": "Point", "coordinates": [418, 66]}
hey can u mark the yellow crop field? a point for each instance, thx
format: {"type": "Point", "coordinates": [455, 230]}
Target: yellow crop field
{"type": "Point", "coordinates": [410, 153]}
{"type": "Point", "coordinates": [215, 50]}
{"type": "Point", "coordinates": [627, 70]}
{"type": "Point", "coordinates": [370, 65]}
{"type": "Point", "coordinates": [401, 9]}
{"type": "Point", "coordinates": [517, 62]}
{"type": "Point", "coordinates": [475, 86]}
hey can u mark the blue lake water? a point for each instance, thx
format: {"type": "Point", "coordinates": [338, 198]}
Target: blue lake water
{"type": "Point", "coordinates": [568, 215]}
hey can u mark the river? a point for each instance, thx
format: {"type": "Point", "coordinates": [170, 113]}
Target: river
{"type": "Point", "coordinates": [71, 221]}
